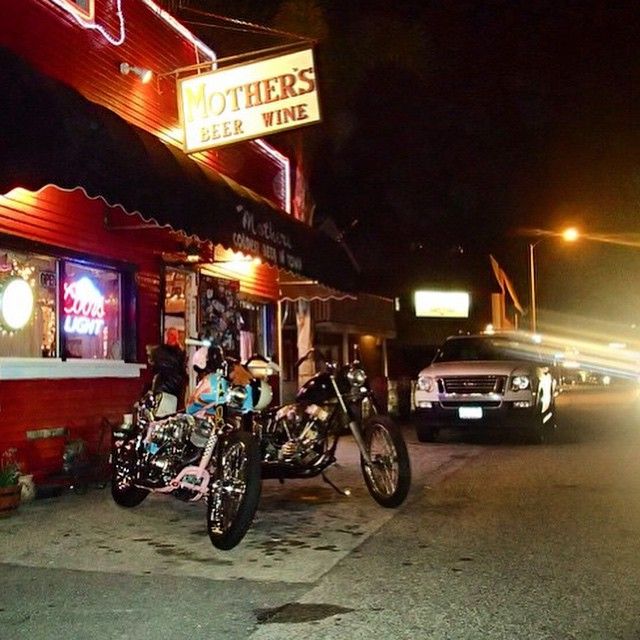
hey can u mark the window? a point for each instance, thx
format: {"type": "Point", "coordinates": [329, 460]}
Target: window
{"type": "Point", "coordinates": [76, 311]}
{"type": "Point", "coordinates": [38, 337]}
{"type": "Point", "coordinates": [90, 315]}
{"type": "Point", "coordinates": [174, 323]}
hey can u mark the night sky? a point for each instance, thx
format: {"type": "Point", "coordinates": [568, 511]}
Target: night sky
{"type": "Point", "coordinates": [448, 126]}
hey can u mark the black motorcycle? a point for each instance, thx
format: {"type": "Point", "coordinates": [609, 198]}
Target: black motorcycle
{"type": "Point", "coordinates": [193, 453]}
{"type": "Point", "coordinates": [299, 440]}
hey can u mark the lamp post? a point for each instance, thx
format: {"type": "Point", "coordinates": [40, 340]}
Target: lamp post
{"type": "Point", "coordinates": [568, 235]}
{"type": "Point", "coordinates": [532, 278]}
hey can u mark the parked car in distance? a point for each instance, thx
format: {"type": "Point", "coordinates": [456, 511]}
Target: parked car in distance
{"type": "Point", "coordinates": [500, 380]}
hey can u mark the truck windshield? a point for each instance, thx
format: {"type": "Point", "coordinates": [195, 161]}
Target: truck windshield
{"type": "Point", "coordinates": [482, 349]}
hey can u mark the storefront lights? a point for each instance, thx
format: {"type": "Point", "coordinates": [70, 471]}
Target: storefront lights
{"type": "Point", "coordinates": [16, 303]}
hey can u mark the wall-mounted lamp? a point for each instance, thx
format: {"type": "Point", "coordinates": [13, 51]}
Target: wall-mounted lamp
{"type": "Point", "coordinates": [145, 75]}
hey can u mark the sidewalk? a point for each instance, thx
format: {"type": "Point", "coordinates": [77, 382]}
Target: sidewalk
{"type": "Point", "coordinates": [301, 530]}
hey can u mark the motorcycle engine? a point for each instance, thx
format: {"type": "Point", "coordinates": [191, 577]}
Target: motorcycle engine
{"type": "Point", "coordinates": [172, 443]}
{"type": "Point", "coordinates": [299, 435]}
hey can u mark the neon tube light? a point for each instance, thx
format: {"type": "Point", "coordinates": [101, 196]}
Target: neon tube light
{"type": "Point", "coordinates": [91, 25]}
{"type": "Point", "coordinates": [83, 307]}
{"type": "Point", "coordinates": [285, 193]}
{"type": "Point", "coordinates": [86, 22]}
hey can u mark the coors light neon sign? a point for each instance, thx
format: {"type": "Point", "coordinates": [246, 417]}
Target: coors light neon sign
{"type": "Point", "coordinates": [83, 307]}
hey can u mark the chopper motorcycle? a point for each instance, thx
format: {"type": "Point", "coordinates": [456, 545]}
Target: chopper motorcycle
{"type": "Point", "coordinates": [191, 454]}
{"type": "Point", "coordinates": [299, 440]}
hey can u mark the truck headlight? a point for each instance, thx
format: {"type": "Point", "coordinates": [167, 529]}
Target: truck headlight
{"type": "Point", "coordinates": [425, 383]}
{"type": "Point", "coordinates": [520, 383]}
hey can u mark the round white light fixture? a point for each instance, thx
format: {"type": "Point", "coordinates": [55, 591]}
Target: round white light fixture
{"type": "Point", "coordinates": [16, 303]}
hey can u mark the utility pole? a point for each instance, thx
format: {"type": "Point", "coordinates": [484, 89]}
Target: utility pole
{"type": "Point", "coordinates": [532, 277]}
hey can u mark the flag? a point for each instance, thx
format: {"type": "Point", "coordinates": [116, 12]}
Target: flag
{"type": "Point", "coordinates": [505, 283]}
{"type": "Point", "coordinates": [303, 204]}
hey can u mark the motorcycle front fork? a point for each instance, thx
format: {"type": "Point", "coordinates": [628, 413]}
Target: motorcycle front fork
{"type": "Point", "coordinates": [353, 425]}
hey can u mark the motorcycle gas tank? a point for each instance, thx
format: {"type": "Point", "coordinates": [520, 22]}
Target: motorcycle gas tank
{"type": "Point", "coordinates": [316, 390]}
{"type": "Point", "coordinates": [211, 390]}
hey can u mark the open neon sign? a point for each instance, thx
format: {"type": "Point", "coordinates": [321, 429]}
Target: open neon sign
{"type": "Point", "coordinates": [83, 307]}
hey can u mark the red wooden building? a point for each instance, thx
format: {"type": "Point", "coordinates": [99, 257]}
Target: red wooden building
{"type": "Point", "coordinates": [123, 239]}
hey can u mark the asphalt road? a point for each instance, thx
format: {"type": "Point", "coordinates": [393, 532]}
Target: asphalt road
{"type": "Point", "coordinates": [498, 539]}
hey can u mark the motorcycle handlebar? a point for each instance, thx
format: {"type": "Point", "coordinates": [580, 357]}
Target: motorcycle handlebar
{"type": "Point", "coordinates": [197, 342]}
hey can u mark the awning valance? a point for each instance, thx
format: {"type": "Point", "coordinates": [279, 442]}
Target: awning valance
{"type": "Point", "coordinates": [293, 290]}
{"type": "Point", "coordinates": [51, 134]}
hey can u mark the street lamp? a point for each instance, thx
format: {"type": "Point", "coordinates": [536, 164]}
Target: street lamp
{"type": "Point", "coordinates": [571, 234]}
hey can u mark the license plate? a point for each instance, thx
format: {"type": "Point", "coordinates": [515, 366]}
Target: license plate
{"type": "Point", "coordinates": [470, 413]}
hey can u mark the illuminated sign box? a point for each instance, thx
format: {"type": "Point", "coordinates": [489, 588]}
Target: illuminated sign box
{"type": "Point", "coordinates": [442, 304]}
{"type": "Point", "coordinates": [248, 101]}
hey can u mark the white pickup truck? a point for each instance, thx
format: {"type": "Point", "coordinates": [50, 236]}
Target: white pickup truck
{"type": "Point", "coordinates": [499, 380]}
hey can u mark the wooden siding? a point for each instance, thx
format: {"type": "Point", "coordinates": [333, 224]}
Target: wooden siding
{"type": "Point", "coordinates": [70, 223]}
{"type": "Point", "coordinates": [259, 281]}
{"type": "Point", "coordinates": [27, 405]}
{"type": "Point", "coordinates": [55, 43]}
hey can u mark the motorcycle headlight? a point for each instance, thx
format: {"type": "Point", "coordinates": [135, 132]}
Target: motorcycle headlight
{"type": "Point", "coordinates": [357, 377]}
{"type": "Point", "coordinates": [425, 383]}
{"type": "Point", "coordinates": [520, 383]}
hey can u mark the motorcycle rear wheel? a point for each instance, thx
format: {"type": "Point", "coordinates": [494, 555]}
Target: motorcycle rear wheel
{"type": "Point", "coordinates": [122, 491]}
{"type": "Point", "coordinates": [388, 477]}
{"type": "Point", "coordinates": [234, 491]}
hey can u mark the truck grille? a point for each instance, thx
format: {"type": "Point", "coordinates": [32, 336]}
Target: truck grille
{"type": "Point", "coordinates": [466, 385]}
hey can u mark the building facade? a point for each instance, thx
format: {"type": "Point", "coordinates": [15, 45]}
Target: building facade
{"type": "Point", "coordinates": [122, 239]}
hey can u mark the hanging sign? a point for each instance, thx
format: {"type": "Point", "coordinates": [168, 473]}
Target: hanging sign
{"type": "Point", "coordinates": [248, 101]}
{"type": "Point", "coordinates": [83, 307]}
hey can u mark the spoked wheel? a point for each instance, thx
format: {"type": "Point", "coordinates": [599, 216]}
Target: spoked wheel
{"type": "Point", "coordinates": [122, 489]}
{"type": "Point", "coordinates": [388, 477]}
{"type": "Point", "coordinates": [234, 491]}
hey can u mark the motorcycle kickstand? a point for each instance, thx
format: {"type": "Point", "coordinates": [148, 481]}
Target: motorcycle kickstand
{"type": "Point", "coordinates": [342, 492]}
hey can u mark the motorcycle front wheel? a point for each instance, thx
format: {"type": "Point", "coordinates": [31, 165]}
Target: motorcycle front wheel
{"type": "Point", "coordinates": [388, 476]}
{"type": "Point", "coordinates": [122, 489]}
{"type": "Point", "coordinates": [234, 491]}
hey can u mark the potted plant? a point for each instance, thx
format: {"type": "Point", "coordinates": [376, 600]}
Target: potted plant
{"type": "Point", "coordinates": [9, 485]}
